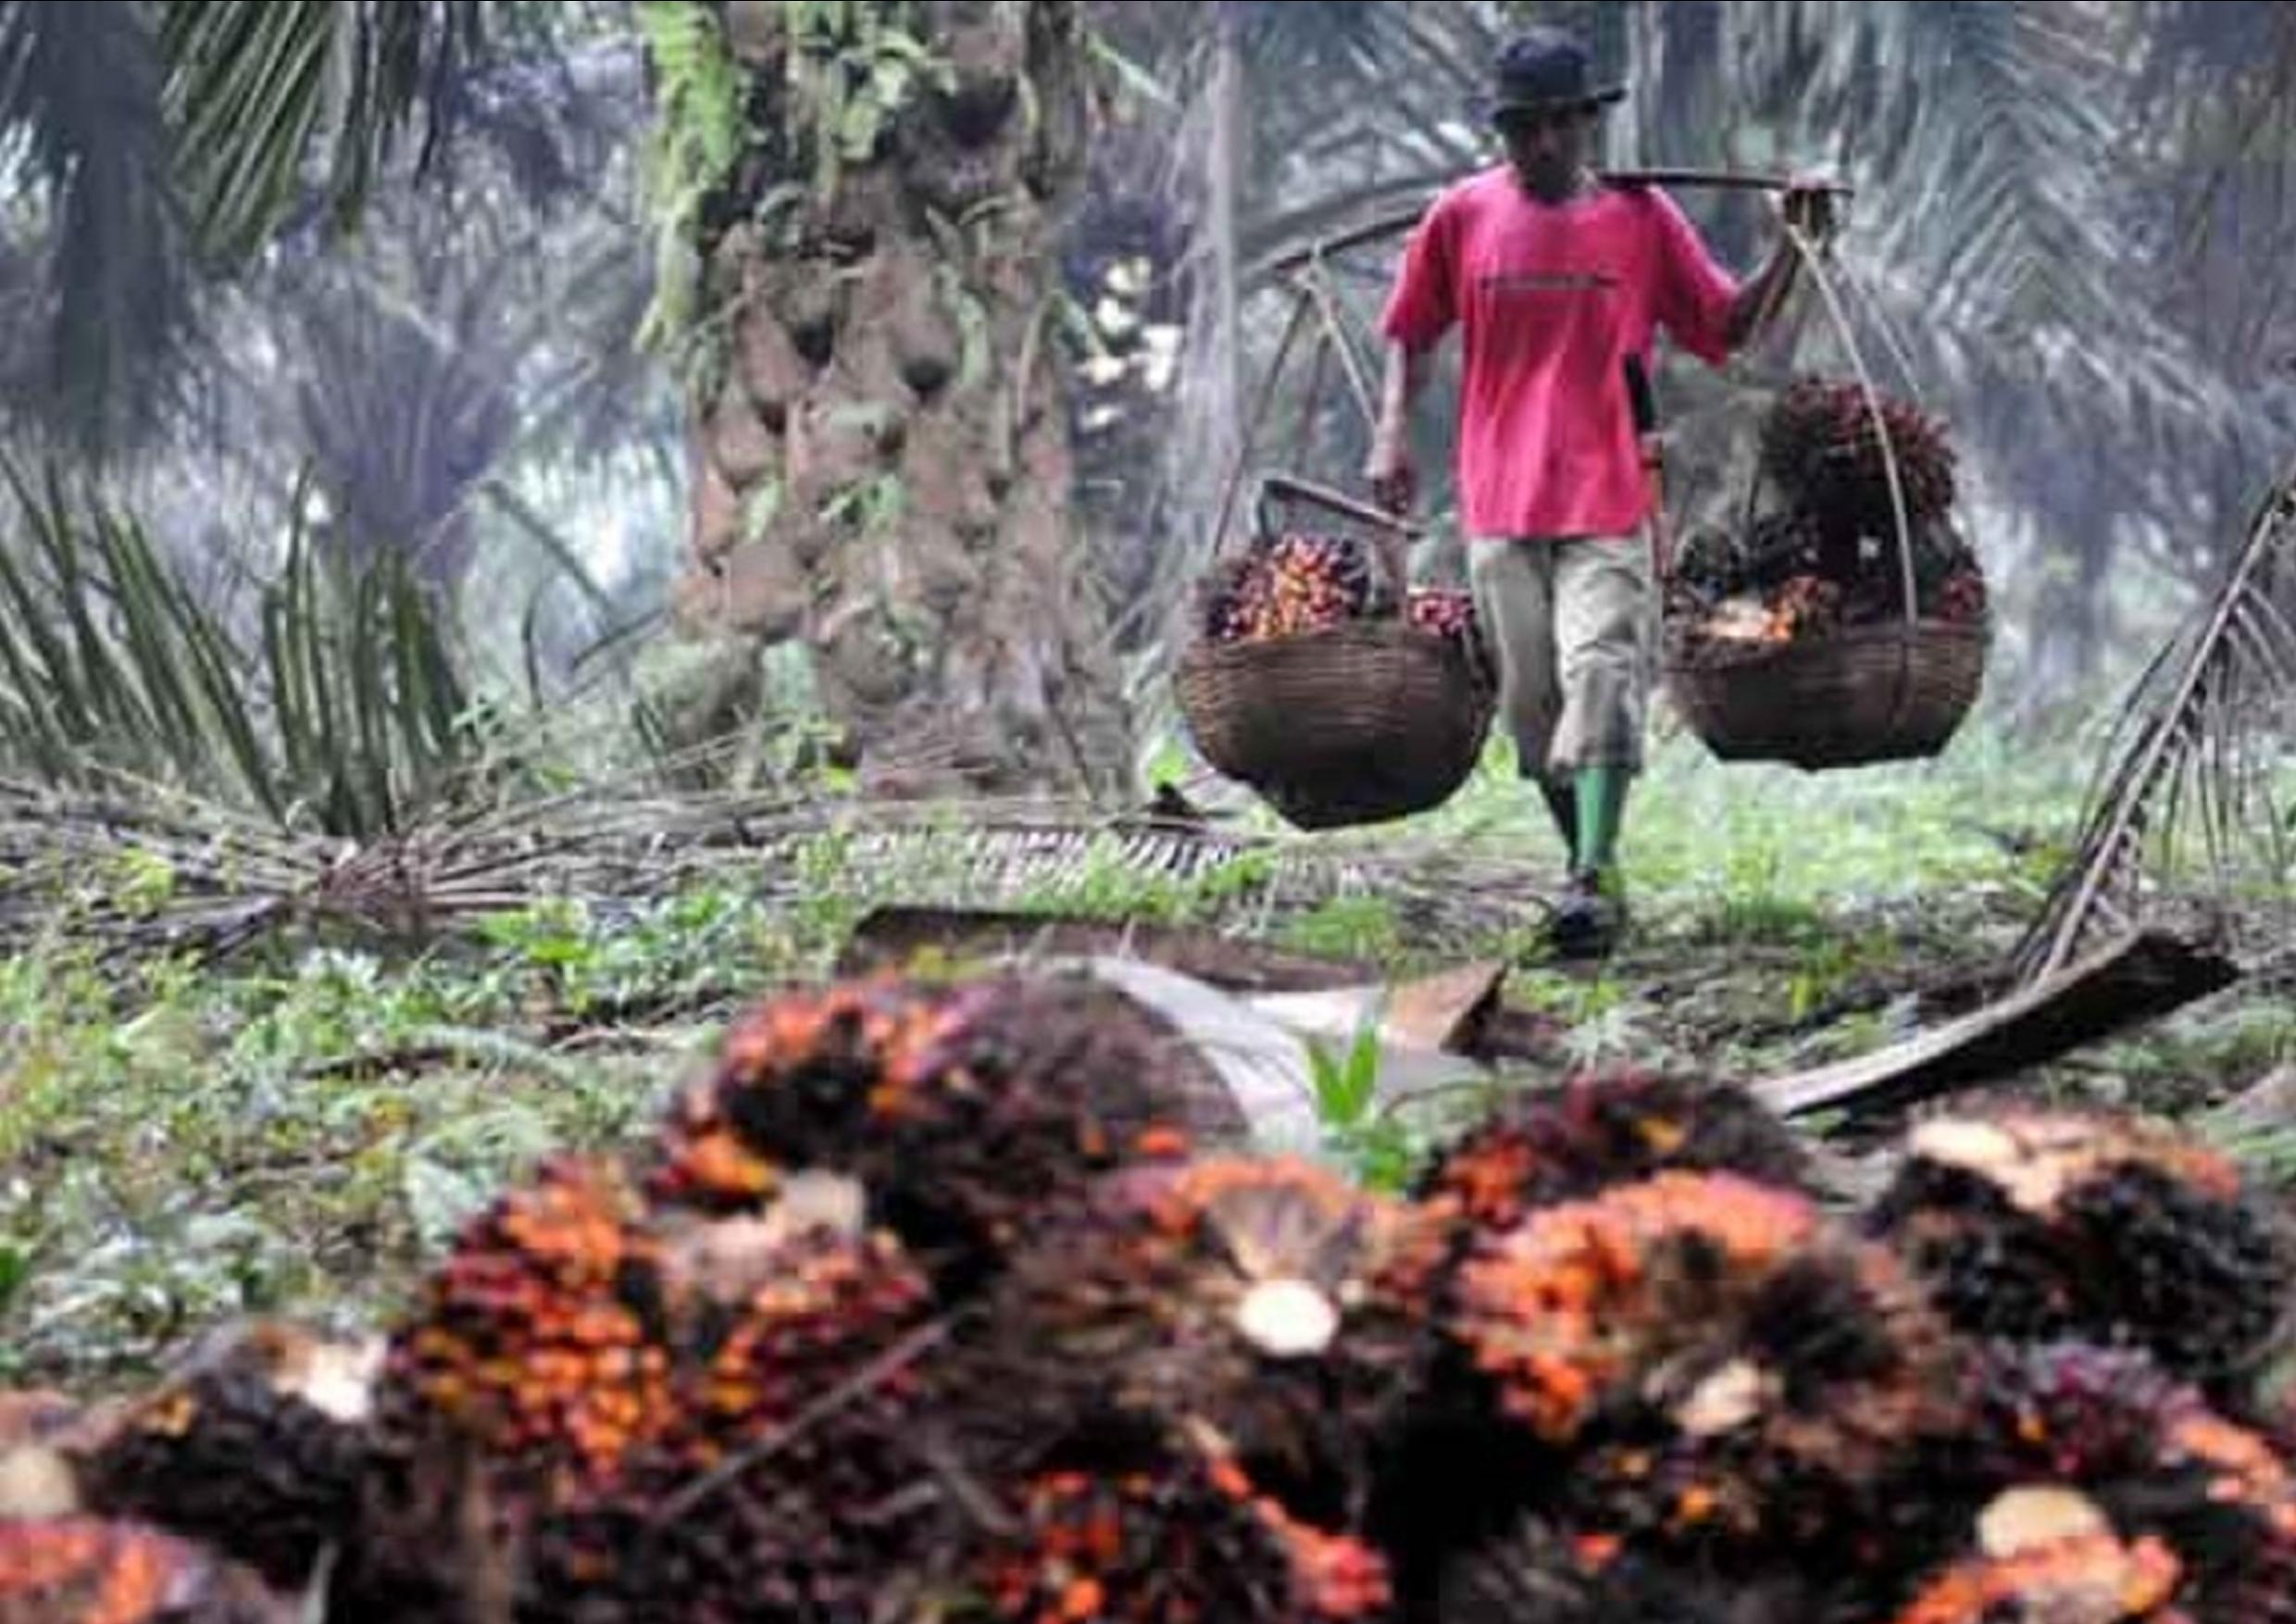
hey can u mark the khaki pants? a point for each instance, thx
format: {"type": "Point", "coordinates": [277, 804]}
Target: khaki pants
{"type": "Point", "coordinates": [1569, 622]}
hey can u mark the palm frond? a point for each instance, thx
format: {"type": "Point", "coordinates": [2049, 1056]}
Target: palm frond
{"type": "Point", "coordinates": [2206, 737]}
{"type": "Point", "coordinates": [112, 308]}
{"type": "Point", "coordinates": [270, 97]}
{"type": "Point", "coordinates": [352, 719]}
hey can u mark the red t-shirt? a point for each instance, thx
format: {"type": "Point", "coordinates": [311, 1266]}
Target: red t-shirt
{"type": "Point", "coordinates": [1550, 300]}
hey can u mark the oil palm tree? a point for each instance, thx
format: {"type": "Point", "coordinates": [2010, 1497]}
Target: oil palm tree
{"type": "Point", "coordinates": [881, 458]}
{"type": "Point", "coordinates": [894, 492]}
{"type": "Point", "coordinates": [156, 145]}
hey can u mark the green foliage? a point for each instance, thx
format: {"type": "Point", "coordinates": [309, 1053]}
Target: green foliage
{"type": "Point", "coordinates": [349, 717]}
{"type": "Point", "coordinates": [698, 134]}
{"type": "Point", "coordinates": [256, 89]}
{"type": "Point", "coordinates": [851, 65]}
{"type": "Point", "coordinates": [1361, 926]}
{"type": "Point", "coordinates": [303, 1136]}
{"type": "Point", "coordinates": [966, 310]}
{"type": "Point", "coordinates": [870, 507]}
{"type": "Point", "coordinates": [302, 1133]}
{"type": "Point", "coordinates": [1375, 1146]}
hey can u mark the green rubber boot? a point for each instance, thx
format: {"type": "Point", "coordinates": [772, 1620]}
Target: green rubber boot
{"type": "Point", "coordinates": [1587, 921]}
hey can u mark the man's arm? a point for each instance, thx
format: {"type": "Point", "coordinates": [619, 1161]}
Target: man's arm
{"type": "Point", "coordinates": [1394, 479]}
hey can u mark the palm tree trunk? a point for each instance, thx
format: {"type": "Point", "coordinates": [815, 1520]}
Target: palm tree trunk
{"type": "Point", "coordinates": [882, 470]}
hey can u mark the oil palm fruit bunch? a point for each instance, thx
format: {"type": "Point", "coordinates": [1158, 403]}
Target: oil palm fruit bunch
{"type": "Point", "coordinates": [1779, 546]}
{"type": "Point", "coordinates": [2047, 1557]}
{"type": "Point", "coordinates": [89, 1570]}
{"type": "Point", "coordinates": [541, 1342]}
{"type": "Point", "coordinates": [2092, 1485]}
{"type": "Point", "coordinates": [2037, 1224]}
{"type": "Point", "coordinates": [1796, 1418]}
{"type": "Point", "coordinates": [774, 1490]}
{"type": "Point", "coordinates": [1164, 1533]}
{"type": "Point", "coordinates": [1262, 1302]}
{"type": "Point", "coordinates": [1286, 585]}
{"type": "Point", "coordinates": [1821, 444]}
{"type": "Point", "coordinates": [1722, 1371]}
{"type": "Point", "coordinates": [960, 1109]}
{"type": "Point", "coordinates": [1571, 1309]}
{"type": "Point", "coordinates": [1607, 1127]}
{"type": "Point", "coordinates": [255, 1444]}
{"type": "Point", "coordinates": [1961, 597]}
{"type": "Point", "coordinates": [1808, 605]}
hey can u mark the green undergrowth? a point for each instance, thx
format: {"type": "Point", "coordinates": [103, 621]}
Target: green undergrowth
{"type": "Point", "coordinates": [300, 1132]}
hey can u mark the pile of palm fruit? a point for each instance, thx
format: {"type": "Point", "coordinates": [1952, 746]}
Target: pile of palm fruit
{"type": "Point", "coordinates": [1825, 555]}
{"type": "Point", "coordinates": [1289, 583]}
{"type": "Point", "coordinates": [927, 1302]}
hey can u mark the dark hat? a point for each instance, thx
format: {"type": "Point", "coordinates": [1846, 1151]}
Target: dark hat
{"type": "Point", "coordinates": [1543, 71]}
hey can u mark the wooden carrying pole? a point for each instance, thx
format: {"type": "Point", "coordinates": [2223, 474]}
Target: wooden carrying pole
{"type": "Point", "coordinates": [1397, 221]}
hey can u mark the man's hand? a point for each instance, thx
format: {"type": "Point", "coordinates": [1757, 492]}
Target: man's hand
{"type": "Point", "coordinates": [1808, 207]}
{"type": "Point", "coordinates": [1393, 479]}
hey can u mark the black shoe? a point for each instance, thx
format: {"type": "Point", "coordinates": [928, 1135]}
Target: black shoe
{"type": "Point", "coordinates": [1589, 919]}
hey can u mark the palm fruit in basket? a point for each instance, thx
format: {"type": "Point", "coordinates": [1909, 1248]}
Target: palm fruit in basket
{"type": "Point", "coordinates": [1822, 445]}
{"type": "Point", "coordinates": [1288, 585]}
{"type": "Point", "coordinates": [1827, 556]}
{"type": "Point", "coordinates": [1450, 613]}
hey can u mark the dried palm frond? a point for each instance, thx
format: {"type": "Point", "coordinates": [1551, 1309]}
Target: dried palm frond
{"type": "Point", "coordinates": [619, 844]}
{"type": "Point", "coordinates": [2193, 742]}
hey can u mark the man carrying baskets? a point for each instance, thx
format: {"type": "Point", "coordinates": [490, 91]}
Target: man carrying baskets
{"type": "Point", "coordinates": [1556, 280]}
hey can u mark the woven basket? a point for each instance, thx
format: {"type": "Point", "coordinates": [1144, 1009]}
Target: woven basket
{"type": "Point", "coordinates": [1366, 722]}
{"type": "Point", "coordinates": [1864, 695]}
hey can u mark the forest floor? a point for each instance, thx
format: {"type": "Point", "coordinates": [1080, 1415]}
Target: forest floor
{"type": "Point", "coordinates": [300, 1130]}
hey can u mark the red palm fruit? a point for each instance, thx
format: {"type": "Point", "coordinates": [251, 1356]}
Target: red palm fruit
{"type": "Point", "coordinates": [2147, 1455]}
{"type": "Point", "coordinates": [1797, 1415]}
{"type": "Point", "coordinates": [1575, 1305]}
{"type": "Point", "coordinates": [1285, 585]}
{"type": "Point", "coordinates": [2084, 1574]}
{"type": "Point", "coordinates": [1171, 1536]}
{"type": "Point", "coordinates": [540, 1342]}
{"type": "Point", "coordinates": [1821, 444]}
{"type": "Point", "coordinates": [768, 1494]}
{"type": "Point", "coordinates": [1541, 1146]}
{"type": "Point", "coordinates": [85, 1570]}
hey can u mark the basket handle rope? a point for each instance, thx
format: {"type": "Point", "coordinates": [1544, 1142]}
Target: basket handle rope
{"type": "Point", "coordinates": [1822, 278]}
{"type": "Point", "coordinates": [1313, 297]}
{"type": "Point", "coordinates": [1813, 260]}
{"type": "Point", "coordinates": [1301, 308]}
